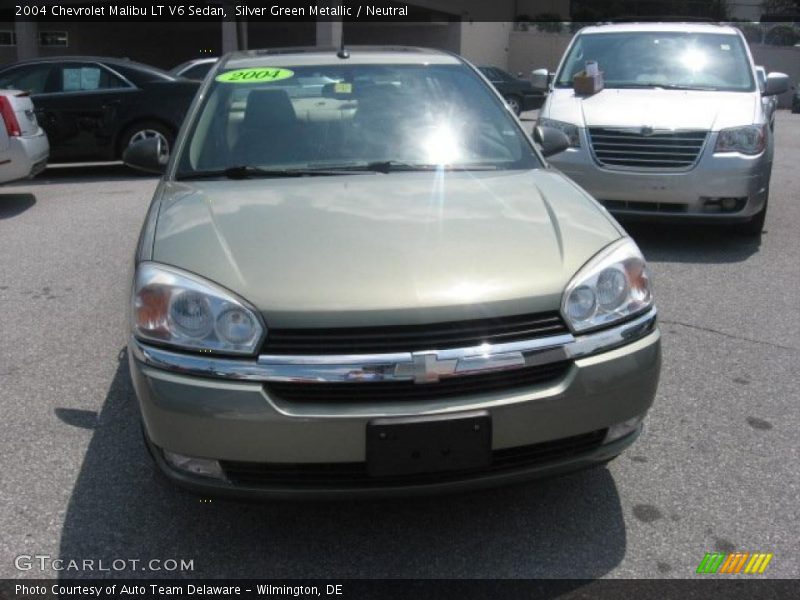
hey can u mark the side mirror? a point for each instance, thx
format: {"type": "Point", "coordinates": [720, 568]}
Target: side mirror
{"type": "Point", "coordinates": [777, 83]}
{"type": "Point", "coordinates": [519, 74]}
{"type": "Point", "coordinates": [550, 140]}
{"type": "Point", "coordinates": [146, 155]}
{"type": "Point", "coordinates": [540, 79]}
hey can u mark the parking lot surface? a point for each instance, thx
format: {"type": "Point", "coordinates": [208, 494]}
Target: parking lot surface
{"type": "Point", "coordinates": [715, 470]}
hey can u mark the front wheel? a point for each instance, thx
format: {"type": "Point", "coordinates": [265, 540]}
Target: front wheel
{"type": "Point", "coordinates": [146, 130]}
{"type": "Point", "coordinates": [514, 103]}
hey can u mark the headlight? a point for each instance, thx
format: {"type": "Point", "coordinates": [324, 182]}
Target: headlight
{"type": "Point", "coordinates": [611, 287]}
{"type": "Point", "coordinates": [751, 139]}
{"type": "Point", "coordinates": [570, 130]}
{"type": "Point", "coordinates": [171, 306]}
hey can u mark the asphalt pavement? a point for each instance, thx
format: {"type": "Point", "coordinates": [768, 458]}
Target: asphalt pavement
{"type": "Point", "coordinates": [715, 470]}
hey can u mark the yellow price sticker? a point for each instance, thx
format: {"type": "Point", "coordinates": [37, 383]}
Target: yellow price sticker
{"type": "Point", "coordinates": [343, 88]}
{"type": "Point", "coordinates": [262, 75]}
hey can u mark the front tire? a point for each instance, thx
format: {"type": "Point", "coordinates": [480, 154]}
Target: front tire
{"type": "Point", "coordinates": [148, 129]}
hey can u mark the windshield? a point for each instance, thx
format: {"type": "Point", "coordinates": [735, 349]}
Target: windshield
{"type": "Point", "coordinates": [662, 59]}
{"type": "Point", "coordinates": [323, 117]}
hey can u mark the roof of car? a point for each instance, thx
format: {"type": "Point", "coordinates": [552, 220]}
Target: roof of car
{"type": "Point", "coordinates": [108, 59]}
{"type": "Point", "coordinates": [328, 56]}
{"type": "Point", "coordinates": [688, 27]}
{"type": "Point", "coordinates": [111, 60]}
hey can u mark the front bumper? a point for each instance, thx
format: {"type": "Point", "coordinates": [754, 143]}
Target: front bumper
{"type": "Point", "coordinates": [612, 378]}
{"type": "Point", "coordinates": [674, 194]}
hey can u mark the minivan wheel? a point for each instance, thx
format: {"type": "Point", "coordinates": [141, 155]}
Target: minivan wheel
{"type": "Point", "coordinates": [513, 103]}
{"type": "Point", "coordinates": [148, 129]}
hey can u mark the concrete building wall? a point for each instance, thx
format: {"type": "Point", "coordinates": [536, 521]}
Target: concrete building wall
{"type": "Point", "coordinates": [529, 50]}
{"type": "Point", "coordinates": [442, 35]}
{"type": "Point", "coordinates": [748, 10]}
{"type": "Point", "coordinates": [8, 54]}
{"type": "Point", "coordinates": [485, 43]}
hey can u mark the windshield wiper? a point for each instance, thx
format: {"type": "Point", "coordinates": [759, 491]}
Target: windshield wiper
{"type": "Point", "coordinates": [244, 172]}
{"type": "Point", "coordinates": [680, 86]}
{"type": "Point", "coordinates": [383, 166]}
{"type": "Point", "coordinates": [663, 86]}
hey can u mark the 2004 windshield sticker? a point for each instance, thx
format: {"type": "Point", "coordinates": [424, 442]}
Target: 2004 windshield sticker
{"type": "Point", "coordinates": [260, 75]}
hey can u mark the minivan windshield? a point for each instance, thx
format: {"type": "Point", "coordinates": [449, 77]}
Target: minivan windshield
{"type": "Point", "coordinates": [291, 119]}
{"type": "Point", "coordinates": [668, 59]}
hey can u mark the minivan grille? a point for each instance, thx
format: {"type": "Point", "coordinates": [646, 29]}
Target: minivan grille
{"type": "Point", "coordinates": [411, 338]}
{"type": "Point", "coordinates": [354, 474]}
{"type": "Point", "coordinates": [402, 391]}
{"type": "Point", "coordinates": [631, 148]}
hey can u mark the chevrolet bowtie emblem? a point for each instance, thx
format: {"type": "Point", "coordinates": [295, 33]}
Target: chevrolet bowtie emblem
{"type": "Point", "coordinates": [429, 367]}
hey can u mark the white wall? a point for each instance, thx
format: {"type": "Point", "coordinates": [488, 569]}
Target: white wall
{"type": "Point", "coordinates": [530, 50]}
{"type": "Point", "coordinates": [485, 43]}
{"type": "Point", "coordinates": [749, 10]}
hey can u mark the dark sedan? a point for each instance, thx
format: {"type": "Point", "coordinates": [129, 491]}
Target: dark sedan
{"type": "Point", "coordinates": [93, 108]}
{"type": "Point", "coordinates": [519, 93]}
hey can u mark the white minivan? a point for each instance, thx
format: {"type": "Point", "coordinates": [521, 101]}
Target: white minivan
{"type": "Point", "coordinates": [678, 129]}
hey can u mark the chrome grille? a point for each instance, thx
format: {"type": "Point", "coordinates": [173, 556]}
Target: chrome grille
{"type": "Point", "coordinates": [633, 149]}
{"type": "Point", "coordinates": [407, 391]}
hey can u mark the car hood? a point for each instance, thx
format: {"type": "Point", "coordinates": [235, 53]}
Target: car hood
{"type": "Point", "coordinates": [661, 109]}
{"type": "Point", "coordinates": [372, 249]}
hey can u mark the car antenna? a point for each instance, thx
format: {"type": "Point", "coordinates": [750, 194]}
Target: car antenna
{"type": "Point", "coordinates": [342, 53]}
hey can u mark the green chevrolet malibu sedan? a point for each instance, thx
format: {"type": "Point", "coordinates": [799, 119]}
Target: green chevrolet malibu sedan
{"type": "Point", "coordinates": [358, 275]}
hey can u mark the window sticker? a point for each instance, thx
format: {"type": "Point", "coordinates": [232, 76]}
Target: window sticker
{"type": "Point", "coordinates": [80, 79]}
{"type": "Point", "coordinates": [343, 88]}
{"type": "Point", "coordinates": [71, 80]}
{"type": "Point", "coordinates": [90, 78]}
{"type": "Point", "coordinates": [725, 46]}
{"type": "Point", "coordinates": [259, 75]}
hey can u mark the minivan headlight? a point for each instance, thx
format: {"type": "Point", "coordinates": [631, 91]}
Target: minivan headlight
{"type": "Point", "coordinates": [174, 307]}
{"type": "Point", "coordinates": [750, 139]}
{"type": "Point", "coordinates": [611, 287]}
{"type": "Point", "coordinates": [570, 130]}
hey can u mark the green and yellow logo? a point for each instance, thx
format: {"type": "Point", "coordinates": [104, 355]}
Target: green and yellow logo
{"type": "Point", "coordinates": [737, 562]}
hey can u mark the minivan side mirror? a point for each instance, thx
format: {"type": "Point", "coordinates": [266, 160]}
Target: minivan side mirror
{"type": "Point", "coordinates": [777, 83]}
{"type": "Point", "coordinates": [146, 155]}
{"type": "Point", "coordinates": [551, 140]}
{"type": "Point", "coordinates": [540, 79]}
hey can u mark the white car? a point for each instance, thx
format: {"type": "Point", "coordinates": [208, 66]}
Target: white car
{"type": "Point", "coordinates": [677, 130]}
{"type": "Point", "coordinates": [24, 148]}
